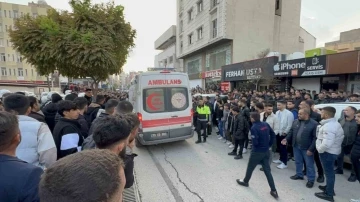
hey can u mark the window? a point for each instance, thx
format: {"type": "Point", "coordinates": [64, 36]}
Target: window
{"type": "Point", "coordinates": [3, 71]}
{"type": "Point", "coordinates": [9, 71]}
{"type": "Point", "coordinates": [16, 14]}
{"type": "Point", "coordinates": [200, 33]}
{"type": "Point", "coordinates": [7, 43]}
{"type": "Point", "coordinates": [193, 67]}
{"type": "Point", "coordinates": [1, 42]}
{"type": "Point", "coordinates": [190, 38]}
{"type": "Point", "coordinates": [190, 14]}
{"type": "Point", "coordinates": [4, 13]}
{"type": "Point", "coordinates": [3, 57]}
{"type": "Point", "coordinates": [10, 14]}
{"type": "Point", "coordinates": [14, 72]}
{"type": "Point", "coordinates": [13, 57]}
{"type": "Point", "coordinates": [20, 72]}
{"type": "Point", "coordinates": [278, 7]}
{"type": "Point", "coordinates": [217, 60]}
{"type": "Point", "coordinates": [181, 26]}
{"type": "Point", "coordinates": [214, 3]}
{"type": "Point", "coordinates": [181, 5]}
{"type": "Point", "coordinates": [214, 28]}
{"type": "Point", "coordinates": [168, 99]}
{"type": "Point", "coordinates": [25, 72]}
{"type": "Point", "coordinates": [9, 58]}
{"type": "Point", "coordinates": [155, 100]}
{"type": "Point", "coordinates": [18, 58]}
{"type": "Point", "coordinates": [1, 28]}
{"type": "Point", "coordinates": [32, 72]}
{"type": "Point", "coordinates": [6, 28]}
{"type": "Point", "coordinates": [200, 6]}
{"type": "Point", "coordinates": [171, 59]}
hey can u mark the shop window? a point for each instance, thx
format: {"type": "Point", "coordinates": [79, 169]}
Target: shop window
{"type": "Point", "coordinates": [193, 67]}
{"type": "Point", "coordinates": [278, 5]}
{"type": "Point", "coordinates": [217, 60]}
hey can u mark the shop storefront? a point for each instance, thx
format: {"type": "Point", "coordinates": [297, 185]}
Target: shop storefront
{"type": "Point", "coordinates": [212, 78]}
{"type": "Point", "coordinates": [194, 69]}
{"type": "Point", "coordinates": [304, 73]}
{"type": "Point", "coordinates": [250, 74]}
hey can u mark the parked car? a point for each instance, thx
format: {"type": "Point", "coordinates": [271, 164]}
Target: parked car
{"type": "Point", "coordinates": [340, 106]}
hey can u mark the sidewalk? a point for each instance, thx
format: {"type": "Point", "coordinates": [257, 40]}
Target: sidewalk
{"type": "Point", "coordinates": [132, 194]}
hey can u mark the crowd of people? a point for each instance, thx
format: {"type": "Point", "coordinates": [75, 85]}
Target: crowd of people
{"type": "Point", "coordinates": [76, 149]}
{"type": "Point", "coordinates": [287, 123]}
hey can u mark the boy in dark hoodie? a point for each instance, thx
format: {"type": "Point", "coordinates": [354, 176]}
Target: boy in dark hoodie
{"type": "Point", "coordinates": [225, 123]}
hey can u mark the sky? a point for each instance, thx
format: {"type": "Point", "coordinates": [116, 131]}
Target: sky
{"type": "Point", "coordinates": [324, 19]}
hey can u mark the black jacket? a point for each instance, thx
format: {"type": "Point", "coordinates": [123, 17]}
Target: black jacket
{"type": "Point", "coordinates": [37, 116]}
{"type": "Point", "coordinates": [91, 113]}
{"type": "Point", "coordinates": [350, 134]}
{"type": "Point", "coordinates": [356, 147]}
{"type": "Point", "coordinates": [315, 116]}
{"type": "Point", "coordinates": [323, 101]}
{"type": "Point", "coordinates": [308, 136]}
{"type": "Point", "coordinates": [83, 126]}
{"type": "Point", "coordinates": [297, 101]}
{"type": "Point", "coordinates": [240, 128]}
{"type": "Point", "coordinates": [19, 180]}
{"type": "Point", "coordinates": [50, 112]}
{"type": "Point", "coordinates": [67, 136]}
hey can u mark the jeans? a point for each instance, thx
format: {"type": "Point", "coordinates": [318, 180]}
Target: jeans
{"type": "Point", "coordinates": [221, 129]}
{"type": "Point", "coordinates": [300, 157]}
{"type": "Point", "coordinates": [340, 162]}
{"type": "Point", "coordinates": [240, 143]}
{"type": "Point", "coordinates": [328, 161]}
{"type": "Point", "coordinates": [355, 160]}
{"type": "Point", "coordinates": [201, 125]}
{"type": "Point", "coordinates": [263, 159]}
{"type": "Point", "coordinates": [282, 149]}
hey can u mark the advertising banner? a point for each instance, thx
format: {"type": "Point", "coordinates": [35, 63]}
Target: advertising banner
{"type": "Point", "coordinates": [303, 67]}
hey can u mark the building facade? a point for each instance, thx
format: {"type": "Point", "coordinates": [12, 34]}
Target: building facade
{"type": "Point", "coordinates": [215, 33]}
{"type": "Point", "coordinates": [167, 44]}
{"type": "Point", "coordinates": [349, 41]}
{"type": "Point", "coordinates": [14, 69]}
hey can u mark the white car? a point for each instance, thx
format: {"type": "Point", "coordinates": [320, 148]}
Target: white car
{"type": "Point", "coordinates": [340, 106]}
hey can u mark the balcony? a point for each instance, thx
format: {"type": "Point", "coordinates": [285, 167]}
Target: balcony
{"type": "Point", "coordinates": [166, 39]}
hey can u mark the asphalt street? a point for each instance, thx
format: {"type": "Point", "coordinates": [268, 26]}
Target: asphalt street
{"type": "Point", "coordinates": [185, 171]}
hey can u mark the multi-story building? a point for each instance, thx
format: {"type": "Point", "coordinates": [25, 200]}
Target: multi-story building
{"type": "Point", "coordinates": [167, 44]}
{"type": "Point", "coordinates": [349, 41]}
{"type": "Point", "coordinates": [214, 33]}
{"type": "Point", "coordinates": [16, 73]}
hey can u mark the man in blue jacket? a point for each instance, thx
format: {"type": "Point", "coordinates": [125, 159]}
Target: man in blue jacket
{"type": "Point", "coordinates": [262, 139]}
{"type": "Point", "coordinates": [19, 179]}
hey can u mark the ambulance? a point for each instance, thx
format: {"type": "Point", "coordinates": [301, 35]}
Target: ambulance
{"type": "Point", "coordinates": [163, 103]}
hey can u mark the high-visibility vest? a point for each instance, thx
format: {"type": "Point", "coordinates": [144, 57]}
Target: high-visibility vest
{"type": "Point", "coordinates": [203, 113]}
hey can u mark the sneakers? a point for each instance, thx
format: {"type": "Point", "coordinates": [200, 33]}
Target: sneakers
{"type": "Point", "coordinates": [242, 183]}
{"type": "Point", "coordinates": [274, 194]}
{"type": "Point", "coordinates": [229, 143]}
{"type": "Point", "coordinates": [352, 178]}
{"type": "Point", "coordinates": [225, 141]}
{"type": "Point", "coordinates": [282, 166]}
{"type": "Point", "coordinates": [238, 157]}
{"type": "Point", "coordinates": [231, 146]}
{"type": "Point", "coordinates": [355, 200]}
{"type": "Point", "coordinates": [232, 153]}
{"type": "Point", "coordinates": [309, 184]}
{"type": "Point", "coordinates": [220, 138]}
{"type": "Point", "coordinates": [277, 161]}
{"type": "Point", "coordinates": [244, 151]}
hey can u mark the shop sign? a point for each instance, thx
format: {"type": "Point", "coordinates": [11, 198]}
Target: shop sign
{"type": "Point", "coordinates": [212, 74]}
{"type": "Point", "coordinates": [301, 67]}
{"type": "Point", "coordinates": [225, 86]}
{"type": "Point", "coordinates": [249, 70]}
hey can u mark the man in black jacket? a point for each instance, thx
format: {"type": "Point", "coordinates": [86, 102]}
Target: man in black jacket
{"type": "Point", "coordinates": [245, 112]}
{"type": "Point", "coordinates": [302, 136]}
{"type": "Point", "coordinates": [239, 132]}
{"type": "Point", "coordinates": [82, 105]}
{"type": "Point", "coordinates": [355, 151]}
{"type": "Point", "coordinates": [93, 109]}
{"type": "Point", "coordinates": [67, 132]}
{"type": "Point", "coordinates": [114, 133]}
{"type": "Point", "coordinates": [350, 127]}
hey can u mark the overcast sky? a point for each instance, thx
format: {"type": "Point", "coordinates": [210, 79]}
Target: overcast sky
{"type": "Point", "coordinates": [325, 19]}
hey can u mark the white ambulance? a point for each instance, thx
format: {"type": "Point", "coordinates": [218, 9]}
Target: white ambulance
{"type": "Point", "coordinates": [163, 103]}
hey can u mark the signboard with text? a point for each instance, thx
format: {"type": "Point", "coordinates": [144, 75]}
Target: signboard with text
{"type": "Point", "coordinates": [211, 74]}
{"type": "Point", "coordinates": [303, 67]}
{"type": "Point", "coordinates": [249, 70]}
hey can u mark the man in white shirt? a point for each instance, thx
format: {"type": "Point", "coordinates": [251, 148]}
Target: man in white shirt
{"type": "Point", "coordinates": [286, 119]}
{"type": "Point", "coordinates": [330, 135]}
{"type": "Point", "coordinates": [269, 117]}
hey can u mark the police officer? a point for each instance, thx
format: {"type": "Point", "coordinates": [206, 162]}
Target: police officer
{"type": "Point", "coordinates": [204, 119]}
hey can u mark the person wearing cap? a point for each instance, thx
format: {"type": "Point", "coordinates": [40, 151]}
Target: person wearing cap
{"type": "Point", "coordinates": [204, 119]}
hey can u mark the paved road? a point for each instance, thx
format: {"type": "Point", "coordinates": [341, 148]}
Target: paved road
{"type": "Point", "coordinates": [184, 171]}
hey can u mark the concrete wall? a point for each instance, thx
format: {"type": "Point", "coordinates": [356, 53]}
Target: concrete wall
{"type": "Point", "coordinates": [251, 29]}
{"type": "Point", "coordinates": [309, 40]}
{"type": "Point", "coordinates": [165, 55]}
